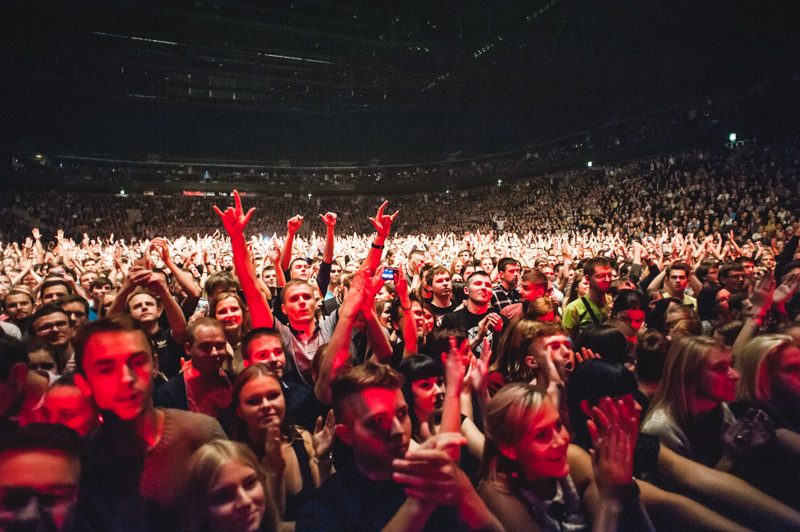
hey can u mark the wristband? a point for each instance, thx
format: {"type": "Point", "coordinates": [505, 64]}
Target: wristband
{"type": "Point", "coordinates": [404, 308]}
{"type": "Point", "coordinates": [327, 459]}
{"type": "Point", "coordinates": [376, 246]}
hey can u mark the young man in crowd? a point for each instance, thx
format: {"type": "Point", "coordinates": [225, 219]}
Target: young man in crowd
{"type": "Point", "coordinates": [387, 485]}
{"type": "Point", "coordinates": [145, 296]}
{"type": "Point", "coordinates": [139, 453]}
{"type": "Point", "coordinates": [76, 308]}
{"type": "Point", "coordinates": [51, 325]}
{"type": "Point", "coordinates": [21, 389]}
{"type": "Point", "coordinates": [506, 293]}
{"type": "Point", "coordinates": [676, 282]}
{"type": "Point", "coordinates": [595, 307]}
{"type": "Point", "coordinates": [52, 289]}
{"type": "Point", "coordinates": [18, 305]}
{"type": "Point", "coordinates": [476, 320]}
{"type": "Point", "coordinates": [442, 293]}
{"type": "Point", "coordinates": [202, 385]}
{"type": "Point", "coordinates": [40, 473]}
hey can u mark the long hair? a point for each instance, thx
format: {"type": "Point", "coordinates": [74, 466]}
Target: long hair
{"type": "Point", "coordinates": [239, 431]}
{"type": "Point", "coordinates": [203, 469]}
{"type": "Point", "coordinates": [754, 362]}
{"type": "Point", "coordinates": [684, 363]}
{"type": "Point", "coordinates": [509, 413]}
{"type": "Point", "coordinates": [215, 300]}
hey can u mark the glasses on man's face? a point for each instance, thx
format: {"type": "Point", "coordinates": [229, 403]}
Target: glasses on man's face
{"type": "Point", "coordinates": [54, 325]}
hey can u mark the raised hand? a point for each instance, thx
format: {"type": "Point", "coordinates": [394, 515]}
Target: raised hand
{"type": "Point", "coordinates": [234, 219]}
{"type": "Point", "coordinates": [787, 288]}
{"type": "Point", "coordinates": [36, 234]}
{"type": "Point", "coordinates": [329, 218]}
{"type": "Point", "coordinates": [273, 452]}
{"type": "Point", "coordinates": [613, 429]}
{"type": "Point", "coordinates": [382, 222]}
{"type": "Point", "coordinates": [763, 294]}
{"type": "Point", "coordinates": [322, 439]}
{"type": "Point", "coordinates": [294, 223]}
{"type": "Point", "coordinates": [161, 245]}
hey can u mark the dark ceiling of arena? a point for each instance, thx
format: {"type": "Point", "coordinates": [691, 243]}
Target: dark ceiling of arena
{"type": "Point", "coordinates": [333, 80]}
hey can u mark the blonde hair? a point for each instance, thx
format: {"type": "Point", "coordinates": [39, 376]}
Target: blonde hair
{"type": "Point", "coordinates": [682, 367]}
{"type": "Point", "coordinates": [202, 471]}
{"type": "Point", "coordinates": [752, 362]}
{"type": "Point", "coordinates": [509, 413]}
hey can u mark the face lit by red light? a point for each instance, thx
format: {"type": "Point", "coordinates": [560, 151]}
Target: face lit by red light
{"type": "Point", "coordinates": [542, 451]}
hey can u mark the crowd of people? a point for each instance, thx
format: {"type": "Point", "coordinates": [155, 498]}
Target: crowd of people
{"type": "Point", "coordinates": [623, 354]}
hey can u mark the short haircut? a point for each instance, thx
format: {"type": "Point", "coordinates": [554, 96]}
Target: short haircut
{"type": "Point", "coordinates": [17, 290]}
{"type": "Point", "coordinates": [302, 259]}
{"type": "Point", "coordinates": [44, 310]}
{"type": "Point", "coordinates": [74, 298]}
{"type": "Point", "coordinates": [476, 273]}
{"type": "Point", "coordinates": [204, 321]}
{"type": "Point", "coordinates": [102, 281]}
{"type": "Point", "coordinates": [359, 378]}
{"type": "Point", "coordinates": [505, 262]}
{"type": "Point", "coordinates": [439, 270]}
{"type": "Point", "coordinates": [292, 283]}
{"type": "Point", "coordinates": [679, 265]}
{"type": "Point", "coordinates": [57, 281]}
{"type": "Point", "coordinates": [139, 291]}
{"type": "Point", "coordinates": [535, 277]}
{"type": "Point", "coordinates": [41, 436]}
{"type": "Point", "coordinates": [258, 332]}
{"type": "Point", "coordinates": [118, 323]}
{"type": "Point", "coordinates": [591, 264]}
{"type": "Point", "coordinates": [12, 352]}
{"type": "Point", "coordinates": [728, 268]}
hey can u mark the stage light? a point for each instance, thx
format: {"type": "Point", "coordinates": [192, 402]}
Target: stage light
{"type": "Point", "coordinates": [589, 164]}
{"type": "Point", "coordinates": [732, 137]}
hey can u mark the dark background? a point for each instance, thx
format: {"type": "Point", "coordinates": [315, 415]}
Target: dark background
{"type": "Point", "coordinates": [316, 81]}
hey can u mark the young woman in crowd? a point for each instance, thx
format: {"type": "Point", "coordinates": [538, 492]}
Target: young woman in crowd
{"type": "Point", "coordinates": [769, 390]}
{"type": "Point", "coordinates": [686, 480]}
{"type": "Point", "coordinates": [229, 309]}
{"type": "Point", "coordinates": [227, 491]}
{"type": "Point", "coordinates": [689, 414]}
{"type": "Point", "coordinates": [535, 480]}
{"type": "Point", "coordinates": [295, 461]}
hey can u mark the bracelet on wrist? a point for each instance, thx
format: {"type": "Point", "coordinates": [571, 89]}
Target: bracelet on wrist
{"type": "Point", "coordinates": [376, 246]}
{"type": "Point", "coordinates": [325, 459]}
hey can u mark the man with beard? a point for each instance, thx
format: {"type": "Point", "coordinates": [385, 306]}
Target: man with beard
{"type": "Point", "coordinates": [18, 304]}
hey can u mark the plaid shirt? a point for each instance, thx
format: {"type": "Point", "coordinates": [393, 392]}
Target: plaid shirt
{"type": "Point", "coordinates": [502, 298]}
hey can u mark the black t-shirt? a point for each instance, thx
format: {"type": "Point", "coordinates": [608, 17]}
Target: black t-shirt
{"type": "Point", "coordinates": [440, 312]}
{"type": "Point", "coordinates": [467, 322]}
{"type": "Point", "coordinates": [169, 352]}
{"type": "Point", "coordinates": [350, 501]}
